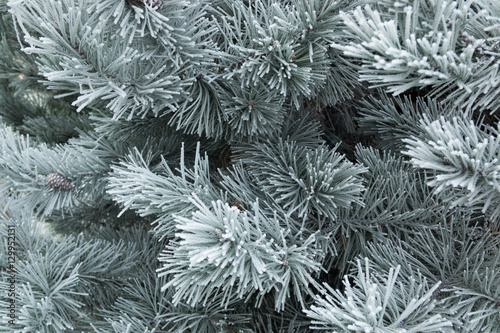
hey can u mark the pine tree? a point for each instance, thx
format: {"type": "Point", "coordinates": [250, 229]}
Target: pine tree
{"type": "Point", "coordinates": [250, 166]}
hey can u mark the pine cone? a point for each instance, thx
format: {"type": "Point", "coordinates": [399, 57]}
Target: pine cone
{"type": "Point", "coordinates": [239, 205]}
{"type": "Point", "coordinates": [59, 182]}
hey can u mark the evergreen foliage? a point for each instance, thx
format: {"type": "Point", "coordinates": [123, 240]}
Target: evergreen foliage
{"type": "Point", "coordinates": [249, 166]}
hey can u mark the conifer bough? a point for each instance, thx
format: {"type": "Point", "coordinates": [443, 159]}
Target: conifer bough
{"type": "Point", "coordinates": [245, 166]}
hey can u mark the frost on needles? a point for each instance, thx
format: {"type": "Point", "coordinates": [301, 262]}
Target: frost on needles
{"type": "Point", "coordinates": [249, 166]}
